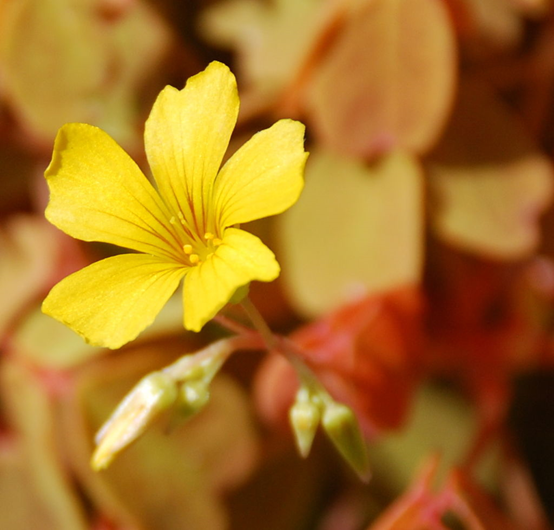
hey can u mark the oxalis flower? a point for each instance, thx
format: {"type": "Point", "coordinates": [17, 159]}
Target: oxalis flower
{"type": "Point", "coordinates": [187, 228]}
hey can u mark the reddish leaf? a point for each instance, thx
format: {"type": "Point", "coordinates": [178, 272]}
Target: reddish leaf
{"type": "Point", "coordinates": [388, 80]}
{"type": "Point", "coordinates": [366, 354]}
{"type": "Point", "coordinates": [474, 507]}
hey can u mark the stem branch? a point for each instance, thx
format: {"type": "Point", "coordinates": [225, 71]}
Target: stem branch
{"type": "Point", "coordinates": [285, 347]}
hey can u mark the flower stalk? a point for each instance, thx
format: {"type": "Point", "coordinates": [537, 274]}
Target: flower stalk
{"type": "Point", "coordinates": [314, 404]}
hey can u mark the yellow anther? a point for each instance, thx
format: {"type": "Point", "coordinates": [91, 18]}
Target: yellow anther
{"type": "Point", "coordinates": [187, 249]}
{"type": "Point", "coordinates": [173, 220]}
{"type": "Point", "coordinates": [194, 258]}
{"type": "Point", "coordinates": [208, 236]}
{"type": "Point", "coordinates": [217, 241]}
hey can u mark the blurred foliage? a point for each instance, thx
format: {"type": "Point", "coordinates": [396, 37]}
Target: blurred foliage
{"type": "Point", "coordinates": [418, 272]}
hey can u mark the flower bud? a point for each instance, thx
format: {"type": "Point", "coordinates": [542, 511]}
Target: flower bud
{"type": "Point", "coordinates": [193, 396]}
{"type": "Point", "coordinates": [304, 418]}
{"type": "Point", "coordinates": [342, 427]}
{"type": "Point", "coordinates": [150, 396]}
{"type": "Point", "coordinates": [202, 365]}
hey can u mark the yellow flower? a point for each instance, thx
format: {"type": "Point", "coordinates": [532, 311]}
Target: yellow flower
{"type": "Point", "coordinates": [187, 228]}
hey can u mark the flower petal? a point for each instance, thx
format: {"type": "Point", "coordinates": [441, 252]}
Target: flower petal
{"type": "Point", "coordinates": [97, 193]}
{"type": "Point", "coordinates": [240, 259]}
{"type": "Point", "coordinates": [186, 136]}
{"type": "Point", "coordinates": [111, 301]}
{"type": "Point", "coordinates": [264, 177]}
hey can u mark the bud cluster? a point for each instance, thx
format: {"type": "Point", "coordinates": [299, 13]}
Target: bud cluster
{"type": "Point", "coordinates": [312, 406]}
{"type": "Point", "coordinates": [182, 386]}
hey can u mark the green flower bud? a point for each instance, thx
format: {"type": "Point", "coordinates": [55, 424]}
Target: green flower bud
{"type": "Point", "coordinates": [150, 396]}
{"type": "Point", "coordinates": [342, 427]}
{"type": "Point", "coordinates": [193, 397]}
{"type": "Point", "coordinates": [202, 365]}
{"type": "Point", "coordinates": [304, 418]}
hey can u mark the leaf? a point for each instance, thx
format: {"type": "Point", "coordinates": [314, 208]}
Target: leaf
{"type": "Point", "coordinates": [492, 26]}
{"type": "Point", "coordinates": [520, 493]}
{"type": "Point", "coordinates": [387, 80]}
{"type": "Point", "coordinates": [47, 343]}
{"type": "Point", "coordinates": [532, 7]}
{"type": "Point", "coordinates": [474, 507]}
{"type": "Point", "coordinates": [272, 40]}
{"type": "Point", "coordinates": [490, 183]}
{"type": "Point", "coordinates": [415, 509]}
{"type": "Point", "coordinates": [450, 420]}
{"type": "Point", "coordinates": [356, 229]}
{"type": "Point", "coordinates": [489, 25]}
{"type": "Point", "coordinates": [67, 61]}
{"type": "Point", "coordinates": [28, 258]}
{"type": "Point", "coordinates": [36, 489]}
{"type": "Point", "coordinates": [33, 256]}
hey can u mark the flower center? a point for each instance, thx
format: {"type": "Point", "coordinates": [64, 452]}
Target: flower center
{"type": "Point", "coordinates": [203, 250]}
{"type": "Point", "coordinates": [196, 249]}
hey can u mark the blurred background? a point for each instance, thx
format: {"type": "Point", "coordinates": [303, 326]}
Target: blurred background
{"type": "Point", "coordinates": [417, 267]}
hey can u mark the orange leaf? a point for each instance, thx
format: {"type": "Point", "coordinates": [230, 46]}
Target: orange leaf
{"type": "Point", "coordinates": [367, 354]}
{"type": "Point", "coordinates": [474, 507]}
{"type": "Point", "coordinates": [388, 79]}
{"type": "Point", "coordinates": [490, 182]}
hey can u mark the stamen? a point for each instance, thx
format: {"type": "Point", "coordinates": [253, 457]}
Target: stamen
{"type": "Point", "coordinates": [217, 241]}
{"type": "Point", "coordinates": [208, 236]}
{"type": "Point", "coordinates": [187, 249]}
{"type": "Point", "coordinates": [173, 220]}
{"type": "Point", "coordinates": [194, 258]}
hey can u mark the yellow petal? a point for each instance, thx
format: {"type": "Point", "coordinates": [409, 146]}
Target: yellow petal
{"type": "Point", "coordinates": [186, 137]}
{"type": "Point", "coordinates": [264, 177]}
{"type": "Point", "coordinates": [240, 259]}
{"type": "Point", "coordinates": [97, 193]}
{"type": "Point", "coordinates": [110, 302]}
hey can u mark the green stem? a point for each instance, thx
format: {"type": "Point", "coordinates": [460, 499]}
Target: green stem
{"type": "Point", "coordinates": [259, 323]}
{"type": "Point", "coordinates": [233, 325]}
{"type": "Point", "coordinates": [286, 348]}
